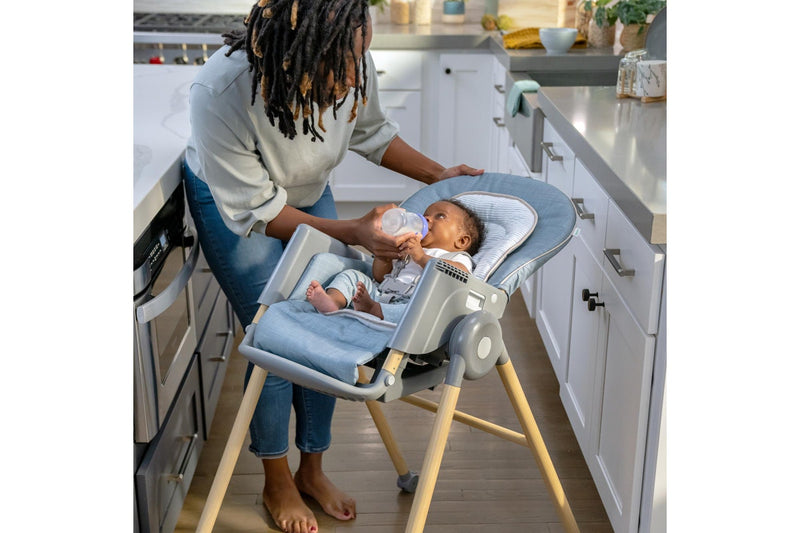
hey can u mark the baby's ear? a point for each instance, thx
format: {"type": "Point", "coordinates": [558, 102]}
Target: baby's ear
{"type": "Point", "coordinates": [463, 242]}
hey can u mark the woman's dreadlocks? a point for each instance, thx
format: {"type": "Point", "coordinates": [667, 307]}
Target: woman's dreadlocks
{"type": "Point", "coordinates": [293, 46]}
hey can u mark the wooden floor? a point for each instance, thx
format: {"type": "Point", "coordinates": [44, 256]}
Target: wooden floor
{"type": "Point", "coordinates": [485, 483]}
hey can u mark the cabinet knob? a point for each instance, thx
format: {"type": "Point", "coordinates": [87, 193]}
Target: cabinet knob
{"type": "Point", "coordinates": [447, 71]}
{"type": "Point", "coordinates": [594, 304]}
{"type": "Point", "coordinates": [585, 295]}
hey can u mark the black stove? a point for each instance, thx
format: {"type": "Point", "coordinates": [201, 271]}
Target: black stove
{"type": "Point", "coordinates": [187, 22]}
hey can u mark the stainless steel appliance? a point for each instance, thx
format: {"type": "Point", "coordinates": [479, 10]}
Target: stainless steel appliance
{"type": "Point", "coordinates": [164, 328]}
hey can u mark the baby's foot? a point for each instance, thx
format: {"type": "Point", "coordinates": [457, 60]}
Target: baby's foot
{"type": "Point", "coordinates": [321, 300]}
{"type": "Point", "coordinates": [362, 301]}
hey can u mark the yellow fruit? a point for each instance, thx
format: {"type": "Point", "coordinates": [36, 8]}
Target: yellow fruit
{"type": "Point", "coordinates": [489, 22]}
{"type": "Point", "coordinates": [504, 22]}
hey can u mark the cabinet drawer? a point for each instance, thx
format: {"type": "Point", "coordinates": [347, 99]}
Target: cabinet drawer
{"type": "Point", "coordinates": [162, 480]}
{"type": "Point", "coordinates": [558, 166]}
{"type": "Point", "coordinates": [635, 267]}
{"type": "Point", "coordinates": [213, 352]}
{"type": "Point", "coordinates": [592, 204]}
{"type": "Point", "coordinates": [398, 70]}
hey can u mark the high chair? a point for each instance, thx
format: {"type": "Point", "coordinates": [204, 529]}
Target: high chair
{"type": "Point", "coordinates": [448, 332]}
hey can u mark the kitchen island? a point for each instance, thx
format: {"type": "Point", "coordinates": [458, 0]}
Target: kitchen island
{"type": "Point", "coordinates": [624, 142]}
{"type": "Point", "coordinates": [601, 303]}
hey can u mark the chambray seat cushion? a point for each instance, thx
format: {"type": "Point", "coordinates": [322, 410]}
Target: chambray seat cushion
{"type": "Point", "coordinates": [526, 221]}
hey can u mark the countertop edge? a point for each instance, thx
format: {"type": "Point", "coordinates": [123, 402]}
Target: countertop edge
{"type": "Point", "coordinates": [652, 226]}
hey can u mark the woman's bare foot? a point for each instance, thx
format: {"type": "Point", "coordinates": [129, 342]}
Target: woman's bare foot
{"type": "Point", "coordinates": [362, 301]}
{"type": "Point", "coordinates": [321, 300]}
{"type": "Point", "coordinates": [311, 480]}
{"type": "Point", "coordinates": [283, 500]}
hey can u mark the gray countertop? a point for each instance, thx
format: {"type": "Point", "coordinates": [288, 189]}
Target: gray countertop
{"type": "Point", "coordinates": [623, 143]}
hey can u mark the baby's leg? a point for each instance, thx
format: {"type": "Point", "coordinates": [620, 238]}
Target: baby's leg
{"type": "Point", "coordinates": [362, 301]}
{"type": "Point", "coordinates": [324, 301]}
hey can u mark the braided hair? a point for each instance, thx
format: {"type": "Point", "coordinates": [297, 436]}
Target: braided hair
{"type": "Point", "coordinates": [293, 47]}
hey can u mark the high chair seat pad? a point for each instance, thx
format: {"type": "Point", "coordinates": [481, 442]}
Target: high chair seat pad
{"type": "Point", "coordinates": [333, 343]}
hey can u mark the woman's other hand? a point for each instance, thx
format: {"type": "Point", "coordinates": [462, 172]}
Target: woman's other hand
{"type": "Point", "coordinates": [460, 170]}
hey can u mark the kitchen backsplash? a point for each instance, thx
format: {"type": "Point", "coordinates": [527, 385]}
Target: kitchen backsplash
{"type": "Point", "coordinates": [523, 13]}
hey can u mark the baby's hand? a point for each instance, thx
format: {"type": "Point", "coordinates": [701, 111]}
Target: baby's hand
{"type": "Point", "coordinates": [412, 247]}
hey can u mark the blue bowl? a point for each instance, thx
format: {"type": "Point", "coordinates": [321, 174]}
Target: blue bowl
{"type": "Point", "coordinates": [558, 40]}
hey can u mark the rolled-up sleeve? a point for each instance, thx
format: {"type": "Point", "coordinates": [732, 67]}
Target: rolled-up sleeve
{"type": "Point", "coordinates": [240, 184]}
{"type": "Point", "coordinates": [374, 130]}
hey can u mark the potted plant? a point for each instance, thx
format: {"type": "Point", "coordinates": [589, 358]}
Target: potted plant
{"type": "Point", "coordinates": [601, 26]}
{"type": "Point", "coordinates": [583, 14]}
{"type": "Point", "coordinates": [634, 16]}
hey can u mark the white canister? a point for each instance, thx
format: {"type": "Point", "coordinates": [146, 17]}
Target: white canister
{"type": "Point", "coordinates": [651, 78]}
{"type": "Point", "coordinates": [422, 11]}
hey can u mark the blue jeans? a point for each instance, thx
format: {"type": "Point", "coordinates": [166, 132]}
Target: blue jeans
{"type": "Point", "coordinates": [242, 266]}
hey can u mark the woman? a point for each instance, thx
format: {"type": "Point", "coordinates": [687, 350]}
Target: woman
{"type": "Point", "coordinates": [254, 173]}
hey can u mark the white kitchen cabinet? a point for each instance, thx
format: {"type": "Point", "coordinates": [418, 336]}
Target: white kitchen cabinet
{"type": "Point", "coordinates": [500, 137]}
{"type": "Point", "coordinates": [356, 179]}
{"type": "Point", "coordinates": [622, 408]}
{"type": "Point", "coordinates": [597, 310]}
{"type": "Point", "coordinates": [400, 79]}
{"type": "Point", "coordinates": [465, 110]}
{"type": "Point", "coordinates": [554, 305]}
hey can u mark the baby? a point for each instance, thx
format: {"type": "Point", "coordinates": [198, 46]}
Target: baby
{"type": "Point", "coordinates": [455, 233]}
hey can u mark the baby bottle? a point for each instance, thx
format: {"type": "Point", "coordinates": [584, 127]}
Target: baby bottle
{"type": "Point", "coordinates": [397, 221]}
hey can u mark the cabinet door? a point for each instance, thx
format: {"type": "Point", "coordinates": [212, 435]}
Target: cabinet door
{"type": "Point", "coordinates": [465, 107]}
{"type": "Point", "coordinates": [554, 307]}
{"type": "Point", "coordinates": [359, 180]}
{"type": "Point", "coordinates": [618, 462]}
{"type": "Point", "coordinates": [586, 353]}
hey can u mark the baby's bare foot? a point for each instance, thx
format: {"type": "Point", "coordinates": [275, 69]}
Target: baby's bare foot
{"type": "Point", "coordinates": [333, 501]}
{"type": "Point", "coordinates": [321, 300]}
{"type": "Point", "coordinates": [363, 302]}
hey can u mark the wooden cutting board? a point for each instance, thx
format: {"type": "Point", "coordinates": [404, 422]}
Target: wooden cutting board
{"type": "Point", "coordinates": [539, 14]}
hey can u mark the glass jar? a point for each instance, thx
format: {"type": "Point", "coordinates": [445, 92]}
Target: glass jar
{"type": "Point", "coordinates": [626, 76]}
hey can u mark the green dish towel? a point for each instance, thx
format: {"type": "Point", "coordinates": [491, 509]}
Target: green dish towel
{"type": "Point", "coordinates": [519, 87]}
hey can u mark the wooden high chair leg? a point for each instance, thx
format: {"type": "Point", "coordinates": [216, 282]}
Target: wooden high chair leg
{"type": "Point", "coordinates": [385, 431]}
{"type": "Point", "coordinates": [525, 416]}
{"type": "Point", "coordinates": [433, 459]}
{"type": "Point", "coordinates": [231, 453]}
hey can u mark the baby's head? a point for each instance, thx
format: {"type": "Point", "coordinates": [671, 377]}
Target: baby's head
{"type": "Point", "coordinates": [454, 227]}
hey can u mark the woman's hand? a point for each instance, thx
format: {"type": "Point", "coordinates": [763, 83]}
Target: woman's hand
{"type": "Point", "coordinates": [460, 170]}
{"type": "Point", "coordinates": [369, 235]}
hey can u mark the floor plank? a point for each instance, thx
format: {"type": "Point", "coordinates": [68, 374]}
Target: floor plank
{"type": "Point", "coordinates": [484, 481]}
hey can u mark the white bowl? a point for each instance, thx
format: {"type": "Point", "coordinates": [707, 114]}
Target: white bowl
{"type": "Point", "coordinates": [558, 40]}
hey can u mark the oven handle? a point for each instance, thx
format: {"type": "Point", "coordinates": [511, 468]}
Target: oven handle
{"type": "Point", "coordinates": [152, 308]}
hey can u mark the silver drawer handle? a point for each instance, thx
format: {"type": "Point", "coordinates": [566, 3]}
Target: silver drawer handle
{"type": "Point", "coordinates": [611, 254]}
{"type": "Point", "coordinates": [497, 122]}
{"type": "Point", "coordinates": [228, 334]}
{"type": "Point", "coordinates": [178, 478]}
{"type": "Point", "coordinates": [583, 215]}
{"type": "Point", "coordinates": [380, 72]}
{"type": "Point", "coordinates": [500, 89]}
{"type": "Point", "coordinates": [550, 155]}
